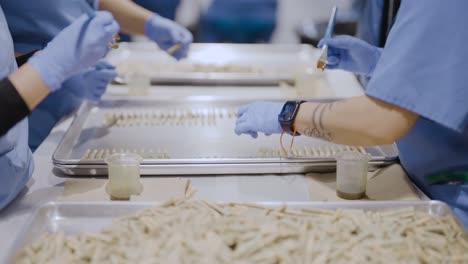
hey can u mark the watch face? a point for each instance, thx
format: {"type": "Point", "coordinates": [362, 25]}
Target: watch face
{"type": "Point", "coordinates": [288, 112]}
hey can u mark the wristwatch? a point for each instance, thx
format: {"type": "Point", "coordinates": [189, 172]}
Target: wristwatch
{"type": "Point", "coordinates": [288, 115]}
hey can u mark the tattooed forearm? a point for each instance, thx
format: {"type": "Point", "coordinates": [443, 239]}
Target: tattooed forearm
{"type": "Point", "coordinates": [318, 130]}
{"type": "Point", "coordinates": [321, 117]}
{"type": "Point", "coordinates": [314, 132]}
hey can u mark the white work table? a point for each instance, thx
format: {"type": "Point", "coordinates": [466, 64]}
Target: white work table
{"type": "Point", "coordinates": [45, 186]}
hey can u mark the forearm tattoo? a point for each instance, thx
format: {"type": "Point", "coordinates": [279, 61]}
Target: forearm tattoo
{"type": "Point", "coordinates": [318, 130]}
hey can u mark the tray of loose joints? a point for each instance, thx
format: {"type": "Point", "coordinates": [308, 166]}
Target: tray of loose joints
{"type": "Point", "coordinates": [215, 64]}
{"type": "Point", "coordinates": [190, 137]}
{"type": "Point", "coordinates": [193, 231]}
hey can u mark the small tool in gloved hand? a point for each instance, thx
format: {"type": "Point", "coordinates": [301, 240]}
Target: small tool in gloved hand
{"type": "Point", "coordinates": [114, 43]}
{"type": "Point", "coordinates": [323, 60]}
{"type": "Point", "coordinates": [173, 48]}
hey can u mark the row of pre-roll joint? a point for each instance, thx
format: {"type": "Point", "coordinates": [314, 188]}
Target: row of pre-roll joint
{"type": "Point", "coordinates": [195, 117]}
{"type": "Point", "coordinates": [99, 154]}
{"type": "Point", "coordinates": [294, 152]}
{"type": "Point", "coordinates": [326, 151]}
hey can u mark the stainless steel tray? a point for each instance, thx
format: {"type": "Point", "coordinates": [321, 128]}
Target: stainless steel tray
{"type": "Point", "coordinates": [72, 218]}
{"type": "Point", "coordinates": [271, 63]}
{"type": "Point", "coordinates": [198, 146]}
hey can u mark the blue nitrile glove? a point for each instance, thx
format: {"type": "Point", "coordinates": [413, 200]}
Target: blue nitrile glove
{"type": "Point", "coordinates": [259, 117]}
{"type": "Point", "coordinates": [75, 48]}
{"type": "Point", "coordinates": [166, 33]}
{"type": "Point", "coordinates": [351, 54]}
{"type": "Point", "coordinates": [91, 84]}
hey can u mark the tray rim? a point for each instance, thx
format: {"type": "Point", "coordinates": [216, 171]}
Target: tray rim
{"type": "Point", "coordinates": [293, 204]}
{"type": "Point", "coordinates": [82, 113]}
{"type": "Point", "coordinates": [53, 206]}
{"type": "Point", "coordinates": [211, 169]}
{"type": "Point", "coordinates": [221, 78]}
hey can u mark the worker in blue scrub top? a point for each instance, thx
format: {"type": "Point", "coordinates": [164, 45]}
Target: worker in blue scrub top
{"type": "Point", "coordinates": [16, 162]}
{"type": "Point", "coordinates": [165, 8]}
{"type": "Point", "coordinates": [33, 24]}
{"type": "Point", "coordinates": [240, 21]}
{"type": "Point", "coordinates": [376, 20]}
{"type": "Point", "coordinates": [417, 97]}
{"type": "Point", "coordinates": [370, 22]}
{"type": "Point", "coordinates": [77, 47]}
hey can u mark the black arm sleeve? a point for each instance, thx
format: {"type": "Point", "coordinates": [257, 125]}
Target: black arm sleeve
{"type": "Point", "coordinates": [12, 107]}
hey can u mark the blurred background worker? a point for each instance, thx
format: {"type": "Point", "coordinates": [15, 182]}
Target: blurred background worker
{"type": "Point", "coordinates": [240, 21]}
{"type": "Point", "coordinates": [165, 8]}
{"type": "Point", "coordinates": [376, 20]}
{"type": "Point", "coordinates": [416, 97]}
{"type": "Point", "coordinates": [374, 25]}
{"type": "Point", "coordinates": [75, 48]}
{"type": "Point", "coordinates": [33, 24]}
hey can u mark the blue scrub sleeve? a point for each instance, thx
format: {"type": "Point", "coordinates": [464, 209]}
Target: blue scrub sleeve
{"type": "Point", "coordinates": [33, 24]}
{"type": "Point", "coordinates": [16, 162]}
{"type": "Point", "coordinates": [423, 67]}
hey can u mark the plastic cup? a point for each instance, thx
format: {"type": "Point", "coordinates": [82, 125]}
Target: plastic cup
{"type": "Point", "coordinates": [308, 82]}
{"type": "Point", "coordinates": [351, 174]}
{"type": "Point", "coordinates": [124, 175]}
{"type": "Point", "coordinates": [138, 84]}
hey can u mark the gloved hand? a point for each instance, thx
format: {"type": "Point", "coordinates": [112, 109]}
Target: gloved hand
{"type": "Point", "coordinates": [259, 117]}
{"type": "Point", "coordinates": [91, 84]}
{"type": "Point", "coordinates": [167, 33]}
{"type": "Point", "coordinates": [75, 48]}
{"type": "Point", "coordinates": [351, 54]}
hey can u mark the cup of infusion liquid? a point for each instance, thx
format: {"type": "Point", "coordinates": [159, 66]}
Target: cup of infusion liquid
{"type": "Point", "coordinates": [351, 174]}
{"type": "Point", "coordinates": [309, 82]}
{"type": "Point", "coordinates": [138, 83]}
{"type": "Point", "coordinates": [124, 175]}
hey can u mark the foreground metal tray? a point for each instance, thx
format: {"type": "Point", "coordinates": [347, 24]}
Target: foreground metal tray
{"type": "Point", "coordinates": [76, 217]}
{"type": "Point", "coordinates": [270, 63]}
{"type": "Point", "coordinates": [193, 138]}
